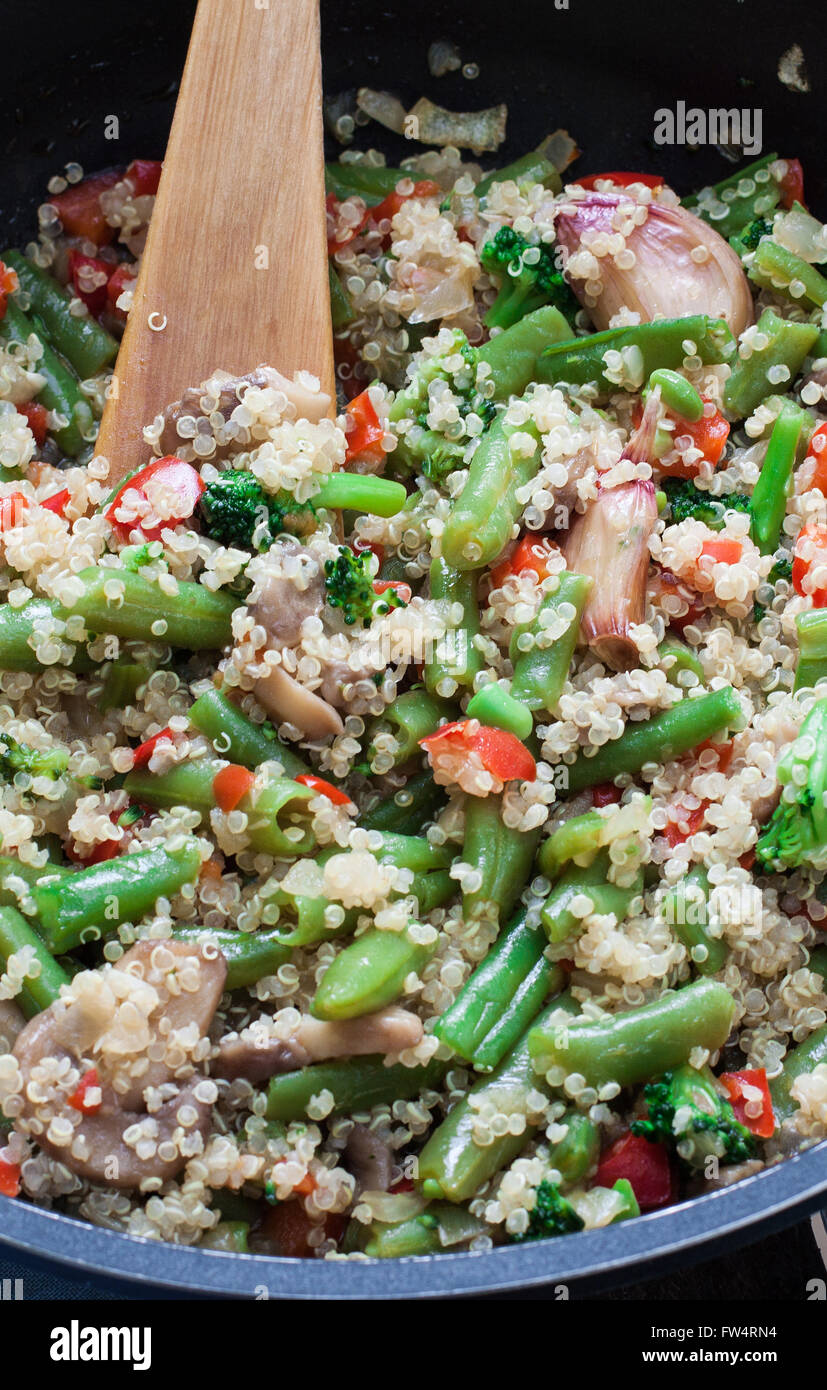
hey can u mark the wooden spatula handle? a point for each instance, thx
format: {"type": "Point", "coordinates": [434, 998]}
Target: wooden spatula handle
{"type": "Point", "coordinates": [235, 266]}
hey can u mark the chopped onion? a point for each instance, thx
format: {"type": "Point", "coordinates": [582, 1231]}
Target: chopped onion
{"type": "Point", "coordinates": [443, 56]}
{"type": "Point", "coordinates": [666, 266]}
{"type": "Point", "coordinates": [339, 116]}
{"type": "Point", "coordinates": [466, 130]}
{"type": "Point", "coordinates": [798, 231]}
{"type": "Point", "coordinates": [382, 107]}
{"type": "Point", "coordinates": [559, 149]}
{"type": "Point", "coordinates": [393, 1206]}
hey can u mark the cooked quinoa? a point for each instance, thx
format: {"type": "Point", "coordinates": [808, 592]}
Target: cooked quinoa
{"type": "Point", "coordinates": [375, 773]}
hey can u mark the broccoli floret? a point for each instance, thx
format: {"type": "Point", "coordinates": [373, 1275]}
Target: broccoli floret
{"type": "Point", "coordinates": [748, 238]}
{"type": "Point", "coordinates": [552, 1215]}
{"type": "Point", "coordinates": [454, 366]}
{"type": "Point", "coordinates": [18, 757]}
{"type": "Point", "coordinates": [686, 1109]}
{"type": "Point", "coordinates": [134, 557]}
{"type": "Point", "coordinates": [796, 832]}
{"type": "Point", "coordinates": [235, 510]}
{"type": "Point", "coordinates": [528, 278]}
{"type": "Point", "coordinates": [782, 569]}
{"type": "Point", "coordinates": [686, 500]}
{"type": "Point", "coordinates": [349, 584]}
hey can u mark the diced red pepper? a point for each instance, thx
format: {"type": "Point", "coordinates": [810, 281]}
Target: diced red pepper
{"type": "Point", "coordinates": [402, 590]}
{"type": "Point", "coordinates": [175, 474]}
{"type": "Point", "coordinates": [622, 178]}
{"type": "Point", "coordinates": [709, 434]}
{"type": "Point", "coordinates": [645, 1166]}
{"type": "Point", "coordinates": [144, 751]}
{"type": "Point", "coordinates": [693, 820]}
{"type": "Point", "coordinates": [747, 860]}
{"type": "Point", "coordinates": [306, 1185]}
{"type": "Point", "coordinates": [37, 418]}
{"type": "Point", "coordinates": [8, 284]}
{"type": "Point", "coordinates": [606, 794]}
{"type": "Point", "coordinates": [12, 508]}
{"type": "Point", "coordinates": [723, 750]}
{"type": "Point", "coordinates": [792, 184]}
{"type": "Point", "coordinates": [723, 551]}
{"type": "Point", "coordinates": [79, 1099]}
{"type": "Point", "coordinates": [500, 752]}
{"type": "Point", "coordinates": [122, 277]}
{"type": "Point", "coordinates": [762, 1125]}
{"type": "Point", "coordinates": [374, 547]}
{"type": "Point", "coordinates": [322, 788]}
{"type": "Point", "coordinates": [95, 299]}
{"type": "Point", "coordinates": [57, 502]}
{"type": "Point", "coordinates": [231, 785]}
{"type": "Point", "coordinates": [9, 1178]}
{"type": "Point", "coordinates": [286, 1227]}
{"type": "Point", "coordinates": [531, 553]}
{"type": "Point", "coordinates": [80, 211]}
{"type": "Point", "coordinates": [671, 584]}
{"type": "Point", "coordinates": [402, 1185]}
{"type": "Point", "coordinates": [814, 535]}
{"type": "Point", "coordinates": [144, 175]}
{"type": "Point", "coordinates": [380, 212]}
{"type": "Point", "coordinates": [817, 453]}
{"type": "Point", "coordinates": [364, 440]}
{"type": "Point", "coordinates": [106, 849]}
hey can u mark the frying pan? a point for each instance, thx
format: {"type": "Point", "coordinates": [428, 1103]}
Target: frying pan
{"type": "Point", "coordinates": [601, 70]}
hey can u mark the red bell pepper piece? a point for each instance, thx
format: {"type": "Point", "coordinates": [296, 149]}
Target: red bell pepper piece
{"type": "Point", "coordinates": [645, 1166]}
{"type": "Point", "coordinates": [12, 508]}
{"type": "Point", "coordinates": [37, 418]}
{"type": "Point", "coordinates": [622, 178]}
{"type": "Point", "coordinates": [144, 751]}
{"type": "Point", "coordinates": [79, 1099]}
{"type": "Point", "coordinates": [500, 752]}
{"type": "Point", "coordinates": [80, 211]}
{"type": "Point", "coordinates": [792, 184]}
{"type": "Point", "coordinates": [671, 584]}
{"type": "Point", "coordinates": [122, 278]}
{"type": "Point", "coordinates": [364, 439]}
{"type": "Point", "coordinates": [144, 175]}
{"type": "Point", "coordinates": [817, 455]}
{"type": "Point", "coordinates": [9, 1178]}
{"type": "Point", "coordinates": [725, 550]}
{"type": "Point", "coordinates": [322, 788]}
{"type": "Point", "coordinates": [606, 794]}
{"type": "Point", "coordinates": [763, 1124]}
{"type": "Point", "coordinates": [94, 299]}
{"type": "Point", "coordinates": [532, 552]}
{"type": "Point", "coordinates": [8, 284]}
{"type": "Point", "coordinates": [392, 202]}
{"type": "Point", "coordinates": [693, 819]}
{"type": "Point", "coordinates": [174, 473]}
{"type": "Point", "coordinates": [57, 502]}
{"type": "Point", "coordinates": [815, 536]}
{"type": "Point", "coordinates": [402, 590]}
{"type": "Point", "coordinates": [231, 785]}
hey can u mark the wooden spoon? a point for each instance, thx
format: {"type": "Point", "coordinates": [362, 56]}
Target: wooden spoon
{"type": "Point", "coordinates": [235, 267]}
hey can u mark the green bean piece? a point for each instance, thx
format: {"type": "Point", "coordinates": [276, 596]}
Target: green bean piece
{"type": "Point", "coordinates": [662, 738]}
{"type": "Point", "coordinates": [411, 717]}
{"type": "Point", "coordinates": [514, 354]}
{"type": "Point", "coordinates": [194, 618]}
{"type": "Point", "coordinates": [788, 344]}
{"type": "Point", "coordinates": [341, 308]}
{"type": "Point", "coordinates": [249, 955]}
{"type": "Point", "coordinates": [15, 869]}
{"type": "Point", "coordinates": [495, 707]}
{"type": "Point", "coordinates": [419, 1235]}
{"type": "Point", "coordinates": [369, 974]}
{"type": "Point", "coordinates": [686, 910]}
{"type": "Point", "coordinates": [409, 809]}
{"type": "Point", "coordinates": [77, 337]}
{"type": "Point", "coordinates": [61, 392]}
{"type": "Point", "coordinates": [575, 1157]}
{"type": "Point", "coordinates": [502, 855]}
{"type": "Point", "coordinates": [456, 659]}
{"type": "Point", "coordinates": [677, 394]}
{"type": "Point", "coordinates": [42, 989]}
{"type": "Point", "coordinates": [233, 735]}
{"type": "Point", "coordinates": [769, 498]}
{"type": "Point", "coordinates": [20, 630]}
{"type": "Point", "coordinates": [812, 648]}
{"type": "Point", "coordinates": [278, 821]}
{"type": "Point", "coordinates": [361, 492]}
{"type": "Point", "coordinates": [356, 1085]}
{"type": "Point", "coordinates": [482, 518]}
{"type": "Point", "coordinates": [737, 200]}
{"type": "Point", "coordinates": [370, 182]}
{"type": "Point", "coordinates": [452, 1164]}
{"type": "Point", "coordinates": [632, 1047]}
{"type": "Point", "coordinates": [810, 1053]}
{"type": "Point", "coordinates": [528, 169]}
{"type": "Point", "coordinates": [662, 344]}
{"type": "Point", "coordinates": [774, 267]}
{"type": "Point", "coordinates": [486, 999]}
{"type": "Point", "coordinates": [541, 668]}
{"type": "Point", "coordinates": [558, 919]}
{"type": "Point", "coordinates": [578, 838]}
{"type": "Point", "coordinates": [818, 962]}
{"type": "Point", "coordinates": [121, 684]}
{"type": "Point", "coordinates": [675, 656]}
{"type": "Point", "coordinates": [91, 903]}
{"type": "Point", "coordinates": [228, 1235]}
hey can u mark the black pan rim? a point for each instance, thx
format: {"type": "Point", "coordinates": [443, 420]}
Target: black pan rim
{"type": "Point", "coordinates": [682, 1234]}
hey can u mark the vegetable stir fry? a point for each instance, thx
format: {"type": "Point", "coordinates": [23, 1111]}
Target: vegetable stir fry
{"type": "Point", "coordinates": [413, 807]}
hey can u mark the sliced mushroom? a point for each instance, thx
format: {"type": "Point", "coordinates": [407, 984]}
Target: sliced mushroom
{"type": "Point", "coordinates": [12, 1023]}
{"type": "Point", "coordinates": [289, 702]}
{"type": "Point", "coordinates": [303, 393]}
{"type": "Point", "coordinates": [369, 1159]}
{"type": "Point", "coordinates": [733, 1172]}
{"type": "Point", "coordinates": [255, 1056]}
{"type": "Point", "coordinates": [281, 607]}
{"type": "Point", "coordinates": [120, 1143]}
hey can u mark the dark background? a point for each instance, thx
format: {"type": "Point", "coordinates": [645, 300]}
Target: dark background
{"type": "Point", "coordinates": [599, 69]}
